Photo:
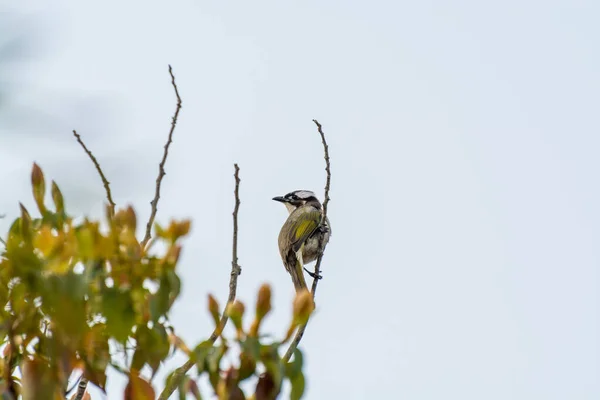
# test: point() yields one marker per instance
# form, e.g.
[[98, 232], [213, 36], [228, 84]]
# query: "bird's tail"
[[294, 267]]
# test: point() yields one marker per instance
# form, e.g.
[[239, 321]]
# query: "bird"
[[304, 234]]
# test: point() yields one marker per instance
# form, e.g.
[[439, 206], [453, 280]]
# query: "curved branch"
[[236, 270], [161, 173], [161, 166], [302, 328], [97, 165], [81, 388]]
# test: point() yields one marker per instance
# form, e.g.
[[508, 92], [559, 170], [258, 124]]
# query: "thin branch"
[[97, 165], [317, 273], [161, 166], [236, 270], [82, 386], [325, 202]]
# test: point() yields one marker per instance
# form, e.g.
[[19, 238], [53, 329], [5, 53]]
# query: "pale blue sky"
[[470, 128]]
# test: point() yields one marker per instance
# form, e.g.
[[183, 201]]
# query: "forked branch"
[[317, 272], [161, 173]]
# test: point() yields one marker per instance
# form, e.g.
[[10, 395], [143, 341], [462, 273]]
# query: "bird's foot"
[[313, 274]]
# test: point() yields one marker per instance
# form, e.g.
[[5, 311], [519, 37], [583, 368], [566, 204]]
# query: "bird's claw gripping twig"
[[313, 274]]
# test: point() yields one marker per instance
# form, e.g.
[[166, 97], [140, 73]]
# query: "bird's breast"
[[312, 246]]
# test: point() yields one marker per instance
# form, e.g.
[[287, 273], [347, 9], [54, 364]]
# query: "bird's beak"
[[280, 199]]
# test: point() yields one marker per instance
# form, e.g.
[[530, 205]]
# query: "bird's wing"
[[302, 227]]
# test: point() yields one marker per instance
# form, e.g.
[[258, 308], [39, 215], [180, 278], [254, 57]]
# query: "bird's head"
[[298, 198]]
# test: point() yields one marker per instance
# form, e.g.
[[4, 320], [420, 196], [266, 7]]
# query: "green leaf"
[[86, 241], [247, 366], [181, 389], [139, 358], [159, 303], [118, 310], [57, 197], [97, 353], [297, 386], [152, 347], [64, 300], [159, 231], [174, 285], [25, 225], [38, 382], [23, 262], [18, 295], [201, 352], [251, 345], [21, 304], [213, 362], [213, 308], [3, 294], [38, 185], [294, 367], [214, 358], [168, 291], [273, 363]]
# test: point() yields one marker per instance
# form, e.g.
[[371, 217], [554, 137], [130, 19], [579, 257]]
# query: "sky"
[[464, 260]]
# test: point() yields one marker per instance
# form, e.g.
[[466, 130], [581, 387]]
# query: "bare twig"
[[302, 328], [97, 165], [161, 166], [82, 386], [325, 202], [236, 270]]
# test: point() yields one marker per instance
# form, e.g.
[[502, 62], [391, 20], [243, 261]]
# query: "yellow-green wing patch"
[[303, 227]]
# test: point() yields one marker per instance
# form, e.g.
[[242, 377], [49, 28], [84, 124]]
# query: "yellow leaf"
[[138, 389], [178, 343], [45, 240]]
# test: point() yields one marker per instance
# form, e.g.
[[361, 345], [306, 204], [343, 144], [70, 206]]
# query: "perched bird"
[[304, 234]]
